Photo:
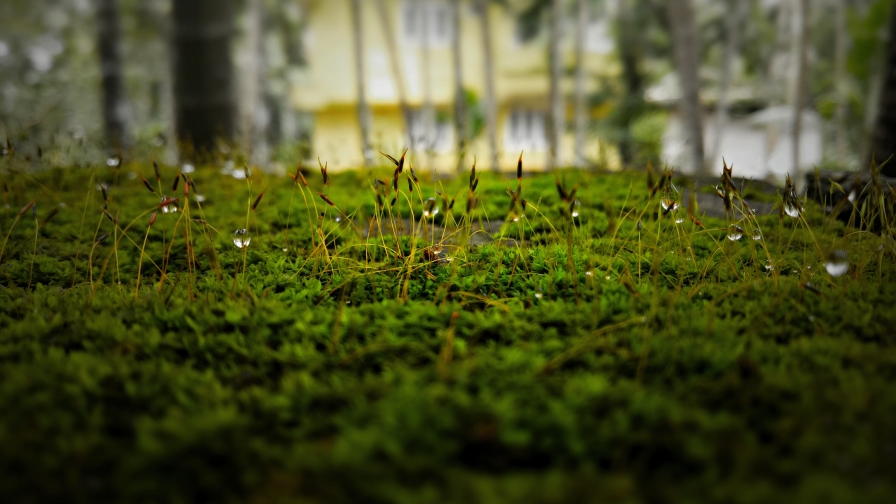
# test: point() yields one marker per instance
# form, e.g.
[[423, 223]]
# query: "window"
[[525, 130], [427, 22], [432, 133]]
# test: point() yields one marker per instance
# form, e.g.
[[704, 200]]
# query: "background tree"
[[883, 144], [489, 100], [687, 66], [360, 77], [460, 96], [557, 115], [116, 111], [581, 100], [203, 71]]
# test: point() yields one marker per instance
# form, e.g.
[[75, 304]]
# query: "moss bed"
[[611, 357]]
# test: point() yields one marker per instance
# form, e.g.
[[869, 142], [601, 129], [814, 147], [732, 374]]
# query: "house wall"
[[327, 88]]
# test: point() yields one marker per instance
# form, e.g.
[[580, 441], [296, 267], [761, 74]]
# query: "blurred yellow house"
[[327, 87]]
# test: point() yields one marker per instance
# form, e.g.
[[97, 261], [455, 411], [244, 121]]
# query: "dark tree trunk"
[[203, 72], [116, 111], [630, 56], [883, 143], [460, 98], [687, 65]]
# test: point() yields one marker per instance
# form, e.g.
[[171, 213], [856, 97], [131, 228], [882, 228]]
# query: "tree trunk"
[[580, 99], [460, 98], [557, 114], [428, 116], [360, 76], [253, 96], [732, 51], [489, 100], [883, 142], [687, 65], [395, 64], [116, 111], [840, 79], [629, 52], [801, 11], [203, 72]]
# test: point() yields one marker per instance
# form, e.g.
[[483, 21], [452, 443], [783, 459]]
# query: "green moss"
[[591, 362]]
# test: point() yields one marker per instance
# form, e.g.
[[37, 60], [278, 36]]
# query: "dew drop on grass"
[[112, 161], [430, 209], [792, 211], [768, 265], [241, 238], [757, 235], [188, 168], [588, 273], [679, 220], [575, 208], [836, 264], [170, 208], [735, 233], [537, 295]]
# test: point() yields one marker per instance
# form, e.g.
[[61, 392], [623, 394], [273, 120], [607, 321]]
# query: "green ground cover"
[[510, 353]]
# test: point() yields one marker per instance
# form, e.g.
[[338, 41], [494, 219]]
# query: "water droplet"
[[241, 238], [575, 208], [679, 220], [669, 205], [735, 232], [112, 161], [285, 249], [768, 265], [238, 174], [199, 198], [836, 264], [188, 168], [537, 295], [132, 175], [515, 219], [589, 273], [757, 235], [430, 209], [169, 208], [792, 210]]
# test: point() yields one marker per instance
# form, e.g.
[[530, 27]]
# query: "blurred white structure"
[[759, 146]]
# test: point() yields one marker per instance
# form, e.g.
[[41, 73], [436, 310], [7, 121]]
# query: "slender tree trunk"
[[687, 63], [253, 96], [629, 52], [883, 142], [203, 71], [116, 111], [581, 103], [557, 113], [428, 115], [395, 64], [802, 78], [364, 117], [460, 99], [489, 100], [732, 51], [840, 79]]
